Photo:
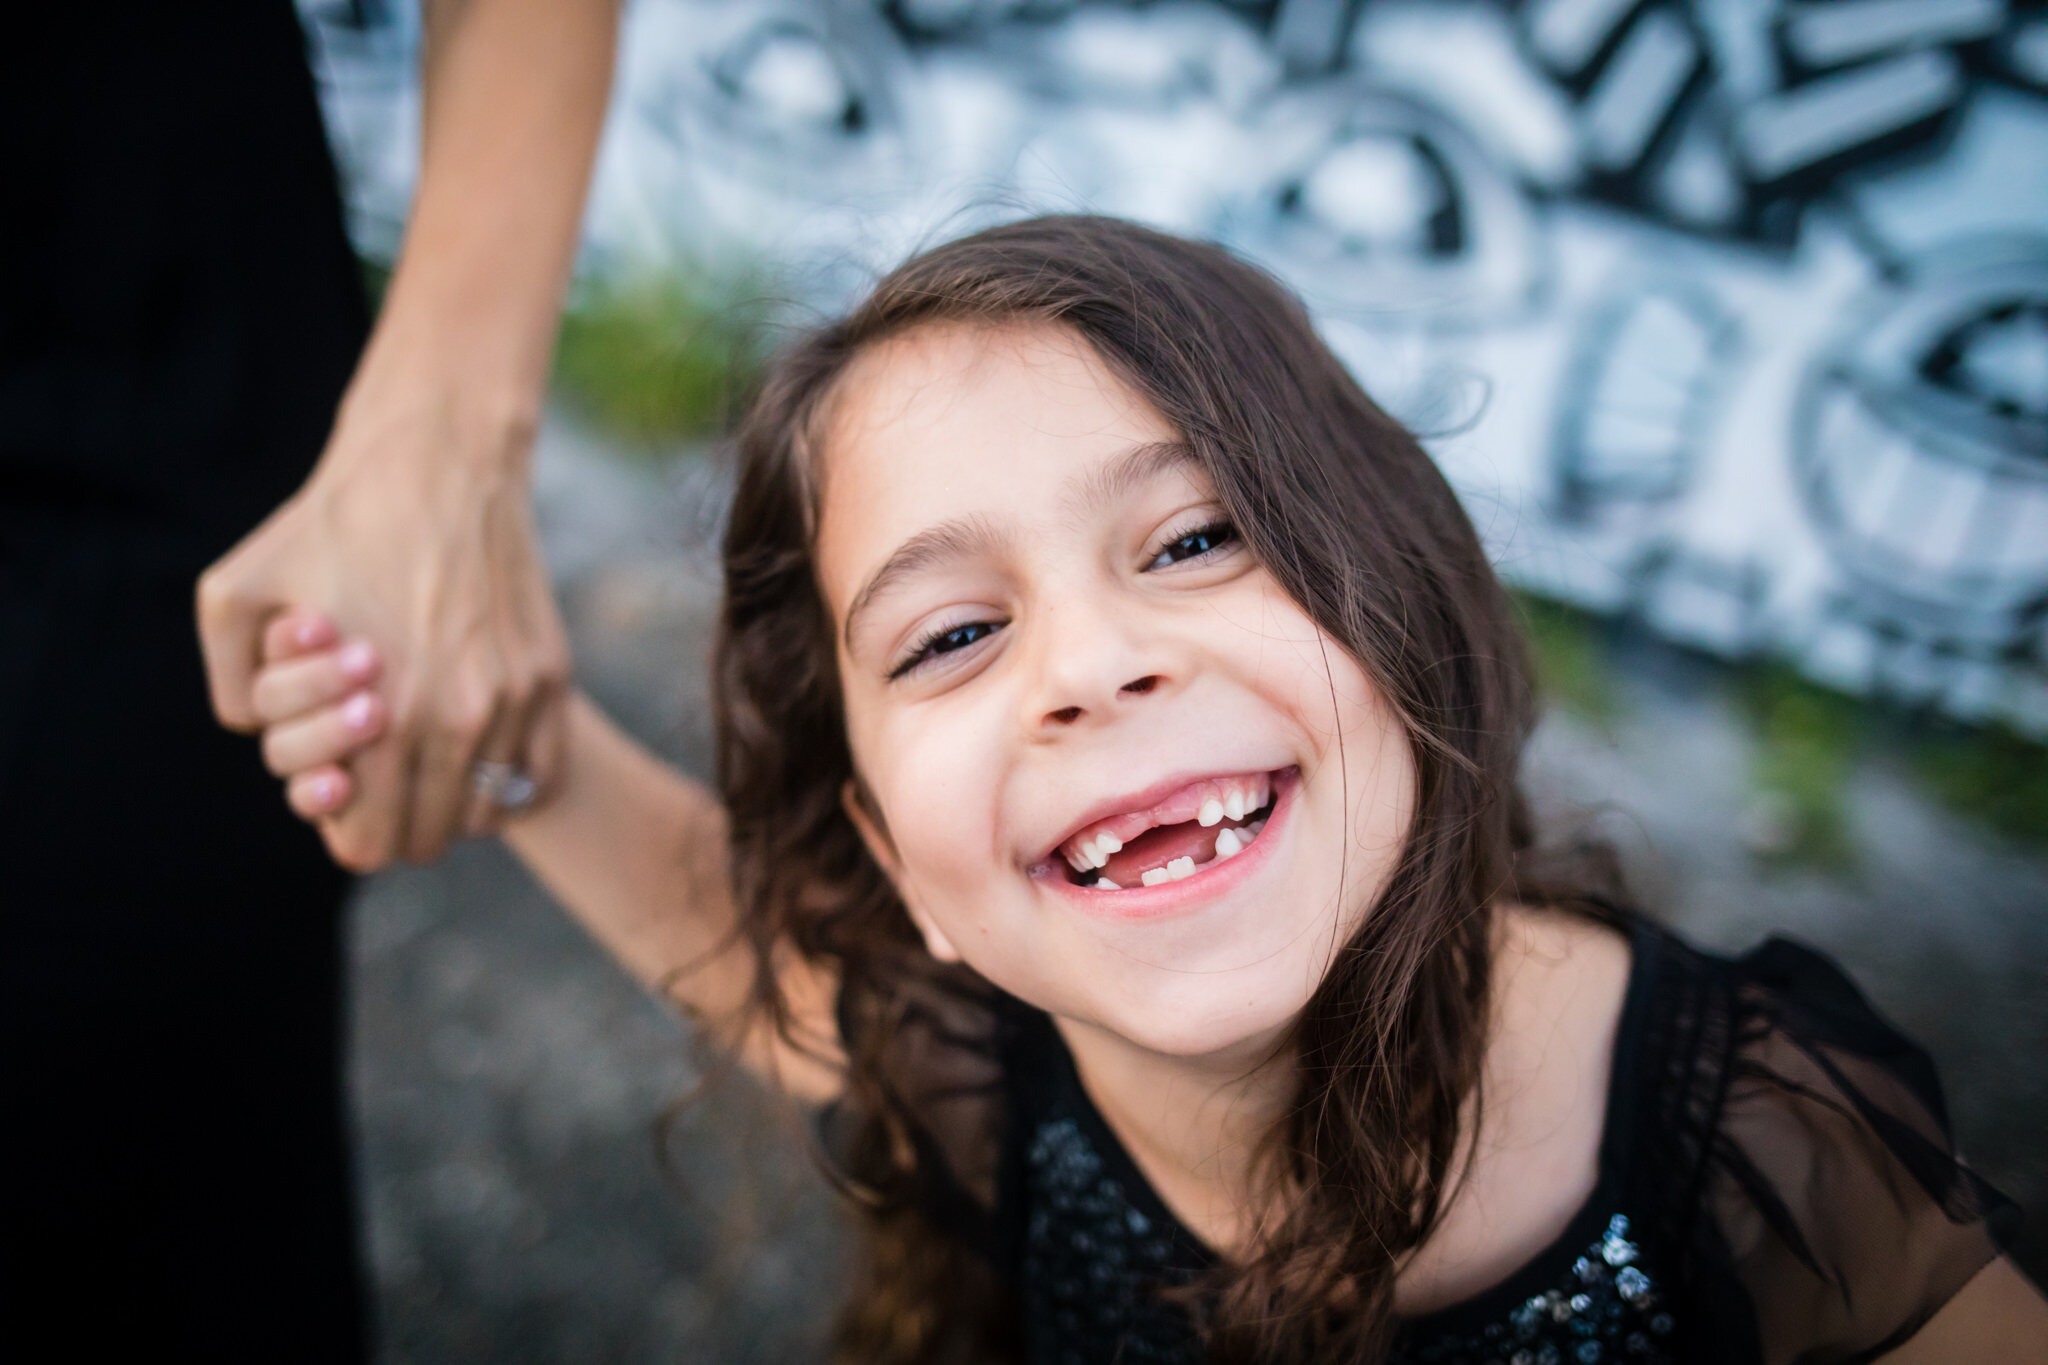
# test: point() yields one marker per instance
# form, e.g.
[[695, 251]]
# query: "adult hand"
[[415, 529], [416, 532]]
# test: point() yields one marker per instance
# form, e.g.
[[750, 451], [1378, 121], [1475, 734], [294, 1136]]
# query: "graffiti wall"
[[1729, 315]]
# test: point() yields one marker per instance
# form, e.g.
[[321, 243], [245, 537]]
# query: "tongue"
[[1160, 846]]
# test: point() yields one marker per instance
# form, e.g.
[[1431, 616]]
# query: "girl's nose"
[[1068, 715], [1091, 666]]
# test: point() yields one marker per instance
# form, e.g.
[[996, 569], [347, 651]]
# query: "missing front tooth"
[[1171, 852]]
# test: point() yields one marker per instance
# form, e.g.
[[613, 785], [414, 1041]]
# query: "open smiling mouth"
[[1207, 821]]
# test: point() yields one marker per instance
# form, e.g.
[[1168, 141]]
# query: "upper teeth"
[[1229, 798], [1093, 853]]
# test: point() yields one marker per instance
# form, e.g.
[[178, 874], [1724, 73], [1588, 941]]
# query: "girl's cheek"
[[938, 855], [945, 763]]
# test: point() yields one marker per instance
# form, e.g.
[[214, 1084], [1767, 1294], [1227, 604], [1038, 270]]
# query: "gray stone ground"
[[538, 1187]]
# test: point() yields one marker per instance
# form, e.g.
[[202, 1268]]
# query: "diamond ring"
[[504, 785]]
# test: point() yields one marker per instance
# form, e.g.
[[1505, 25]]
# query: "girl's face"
[[1110, 764]]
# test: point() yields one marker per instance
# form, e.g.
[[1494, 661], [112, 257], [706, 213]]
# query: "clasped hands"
[[390, 628]]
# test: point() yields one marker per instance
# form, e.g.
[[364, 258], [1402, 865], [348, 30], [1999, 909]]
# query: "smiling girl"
[[1118, 836]]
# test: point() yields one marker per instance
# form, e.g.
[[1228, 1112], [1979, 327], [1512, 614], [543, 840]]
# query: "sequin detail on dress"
[[1093, 1262], [1609, 1309]]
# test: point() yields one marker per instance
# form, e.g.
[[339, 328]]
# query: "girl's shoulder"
[[1788, 1148], [1680, 1145]]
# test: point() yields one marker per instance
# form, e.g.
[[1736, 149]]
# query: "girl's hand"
[[313, 697]]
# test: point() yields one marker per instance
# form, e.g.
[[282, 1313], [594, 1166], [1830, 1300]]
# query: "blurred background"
[[1728, 319]]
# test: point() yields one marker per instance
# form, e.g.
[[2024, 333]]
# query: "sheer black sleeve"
[[1830, 1189]]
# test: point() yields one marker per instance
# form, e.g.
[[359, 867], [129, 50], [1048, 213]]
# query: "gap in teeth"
[[1232, 842], [1232, 800], [1229, 843]]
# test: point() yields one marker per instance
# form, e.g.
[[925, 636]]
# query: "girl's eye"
[[1203, 540], [946, 640]]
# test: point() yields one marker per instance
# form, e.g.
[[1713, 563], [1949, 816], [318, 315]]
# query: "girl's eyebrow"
[[1118, 476], [961, 538], [967, 537]]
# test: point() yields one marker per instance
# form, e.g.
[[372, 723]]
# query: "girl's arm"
[[635, 850], [637, 854], [1999, 1315]]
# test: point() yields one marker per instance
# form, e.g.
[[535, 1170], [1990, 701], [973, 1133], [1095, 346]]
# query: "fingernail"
[[358, 660], [326, 790], [356, 711], [311, 632]]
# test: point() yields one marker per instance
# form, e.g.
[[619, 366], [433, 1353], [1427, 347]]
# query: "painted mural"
[[1731, 316]]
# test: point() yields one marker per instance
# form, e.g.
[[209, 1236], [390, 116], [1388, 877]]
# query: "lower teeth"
[[1229, 843]]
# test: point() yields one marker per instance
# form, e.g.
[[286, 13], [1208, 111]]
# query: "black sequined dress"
[[1776, 1183]]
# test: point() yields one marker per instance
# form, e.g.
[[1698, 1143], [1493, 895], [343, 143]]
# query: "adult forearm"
[[514, 100], [416, 527]]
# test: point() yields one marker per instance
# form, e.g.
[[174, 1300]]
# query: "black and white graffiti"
[[1731, 315]]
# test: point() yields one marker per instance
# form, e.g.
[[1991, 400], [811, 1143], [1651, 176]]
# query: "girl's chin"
[[1241, 1043]]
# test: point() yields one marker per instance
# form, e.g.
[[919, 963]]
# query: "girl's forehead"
[[952, 421], [997, 380]]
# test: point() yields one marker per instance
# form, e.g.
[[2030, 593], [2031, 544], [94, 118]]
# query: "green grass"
[[654, 360], [1993, 775], [1572, 669], [1808, 743], [660, 360]]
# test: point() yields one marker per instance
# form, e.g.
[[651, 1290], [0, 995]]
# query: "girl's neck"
[[1195, 1124], [1192, 1124]]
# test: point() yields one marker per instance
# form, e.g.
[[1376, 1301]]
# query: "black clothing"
[[179, 312], [1776, 1182]]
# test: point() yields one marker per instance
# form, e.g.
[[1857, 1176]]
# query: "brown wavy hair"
[[1341, 504]]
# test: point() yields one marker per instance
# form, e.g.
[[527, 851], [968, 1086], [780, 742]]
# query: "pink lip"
[[1212, 879]]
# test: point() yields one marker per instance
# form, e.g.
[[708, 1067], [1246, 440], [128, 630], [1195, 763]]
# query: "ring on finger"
[[505, 785]]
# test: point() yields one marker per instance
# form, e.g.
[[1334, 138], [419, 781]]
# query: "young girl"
[[1117, 834]]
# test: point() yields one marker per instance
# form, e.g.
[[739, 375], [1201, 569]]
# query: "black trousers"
[[179, 312], [176, 1176]]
